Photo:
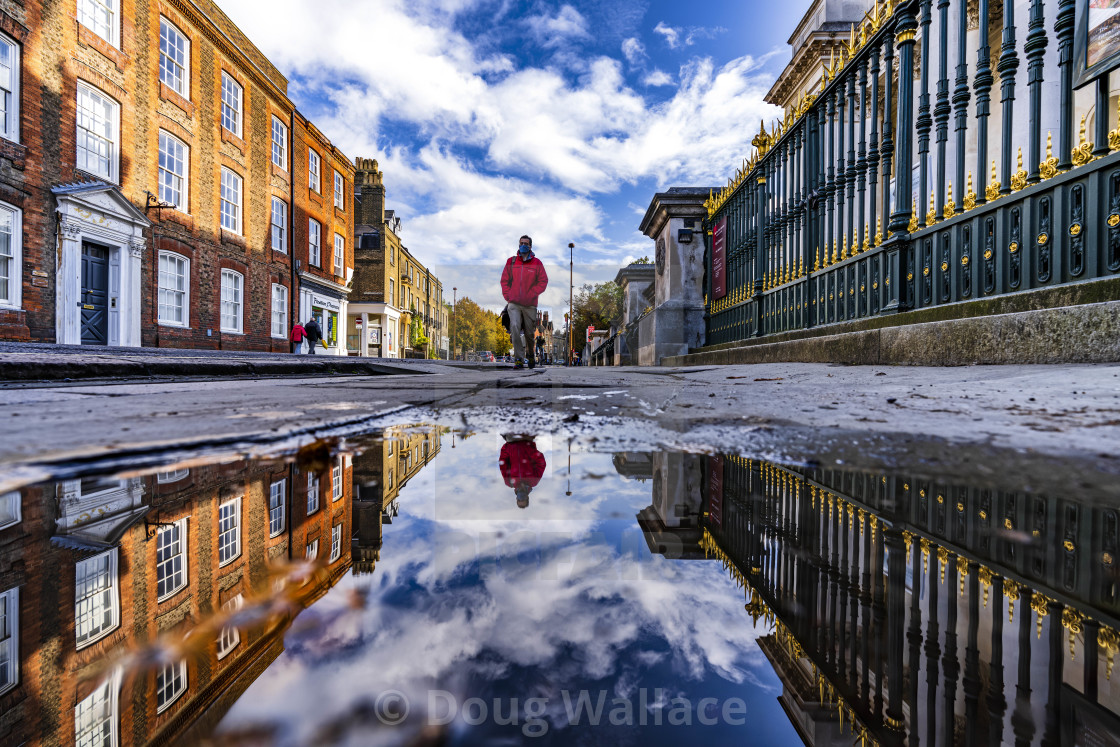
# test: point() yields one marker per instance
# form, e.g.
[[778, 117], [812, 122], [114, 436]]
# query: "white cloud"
[[478, 148], [658, 78], [552, 31], [672, 35], [633, 50]]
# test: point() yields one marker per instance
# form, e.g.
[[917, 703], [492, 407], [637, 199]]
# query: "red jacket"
[[523, 281], [520, 460], [298, 332]]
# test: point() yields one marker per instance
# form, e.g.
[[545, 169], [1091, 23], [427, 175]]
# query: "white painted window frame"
[[114, 596], [232, 97], [186, 297], [183, 203], [178, 72], [14, 296], [114, 120], [229, 536], [238, 303], [181, 525], [279, 298], [276, 508]]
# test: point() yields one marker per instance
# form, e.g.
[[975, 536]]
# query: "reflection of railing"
[[818, 231], [879, 583]]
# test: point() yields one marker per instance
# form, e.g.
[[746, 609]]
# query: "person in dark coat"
[[522, 466], [314, 334]]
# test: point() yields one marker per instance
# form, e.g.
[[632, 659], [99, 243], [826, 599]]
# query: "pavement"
[[1049, 428]]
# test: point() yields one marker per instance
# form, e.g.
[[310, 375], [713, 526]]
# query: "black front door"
[[95, 295]]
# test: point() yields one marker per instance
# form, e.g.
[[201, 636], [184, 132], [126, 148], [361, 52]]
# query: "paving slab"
[[1038, 425]]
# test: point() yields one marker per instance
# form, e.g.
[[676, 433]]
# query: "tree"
[[475, 328], [641, 261], [595, 306], [416, 333]]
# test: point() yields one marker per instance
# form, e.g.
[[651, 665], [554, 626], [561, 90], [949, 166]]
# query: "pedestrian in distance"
[[314, 334], [298, 333], [523, 281]]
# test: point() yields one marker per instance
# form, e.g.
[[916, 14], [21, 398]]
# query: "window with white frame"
[[312, 493], [231, 201], [229, 636], [339, 191], [279, 143], [174, 289], [392, 295], [174, 58], [96, 598], [9, 88], [102, 17], [171, 682], [173, 164], [336, 542], [95, 718], [9, 639], [11, 512], [229, 531], [233, 301], [98, 132], [314, 171], [313, 549], [279, 224], [171, 559], [279, 311], [314, 243], [174, 475], [339, 253], [11, 256], [276, 508], [232, 96], [336, 481]]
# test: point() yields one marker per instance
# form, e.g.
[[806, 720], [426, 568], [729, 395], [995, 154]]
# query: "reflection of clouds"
[[565, 602]]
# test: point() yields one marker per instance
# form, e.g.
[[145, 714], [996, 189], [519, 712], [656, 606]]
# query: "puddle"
[[424, 586]]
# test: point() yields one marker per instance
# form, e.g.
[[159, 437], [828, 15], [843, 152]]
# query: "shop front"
[[326, 304], [371, 330]]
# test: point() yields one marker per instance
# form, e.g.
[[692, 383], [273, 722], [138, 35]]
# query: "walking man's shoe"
[[532, 362], [519, 363]]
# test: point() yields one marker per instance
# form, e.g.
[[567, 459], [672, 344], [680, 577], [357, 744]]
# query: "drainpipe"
[[293, 300]]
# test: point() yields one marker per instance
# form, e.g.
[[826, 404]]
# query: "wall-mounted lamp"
[[684, 236]]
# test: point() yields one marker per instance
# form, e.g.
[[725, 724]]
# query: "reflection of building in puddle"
[[671, 525], [905, 609], [380, 472], [92, 571]]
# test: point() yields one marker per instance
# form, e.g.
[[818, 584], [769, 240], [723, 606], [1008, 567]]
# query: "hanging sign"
[[719, 259], [1097, 44]]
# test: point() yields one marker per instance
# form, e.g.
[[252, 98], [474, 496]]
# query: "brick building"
[[391, 287], [148, 172], [323, 232], [161, 556]]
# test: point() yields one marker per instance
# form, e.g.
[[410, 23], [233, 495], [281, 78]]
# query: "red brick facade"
[[57, 54]]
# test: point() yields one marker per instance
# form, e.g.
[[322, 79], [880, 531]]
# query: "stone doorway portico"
[[96, 216]]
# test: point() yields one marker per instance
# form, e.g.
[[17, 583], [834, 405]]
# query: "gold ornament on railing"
[[835, 254], [1083, 151], [985, 575], [1072, 621], [844, 248], [969, 196], [1011, 591], [878, 232], [913, 225], [992, 191], [817, 260], [1041, 606], [866, 237], [962, 570], [1019, 178], [925, 545], [1110, 642], [950, 206], [1049, 168], [931, 216], [942, 561]]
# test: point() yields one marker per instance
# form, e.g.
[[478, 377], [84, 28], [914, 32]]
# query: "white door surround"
[[97, 212]]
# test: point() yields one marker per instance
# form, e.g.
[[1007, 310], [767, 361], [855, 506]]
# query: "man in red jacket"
[[523, 281]]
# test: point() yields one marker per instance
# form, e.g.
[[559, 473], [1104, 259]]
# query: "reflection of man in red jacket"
[[523, 281], [522, 466]]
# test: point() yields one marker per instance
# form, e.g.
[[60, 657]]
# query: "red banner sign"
[[719, 260], [715, 491]]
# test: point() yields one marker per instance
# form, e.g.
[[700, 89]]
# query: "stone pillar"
[[674, 221], [68, 285], [363, 337], [131, 292]]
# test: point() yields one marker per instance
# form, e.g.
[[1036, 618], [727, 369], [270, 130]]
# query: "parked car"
[[486, 356]]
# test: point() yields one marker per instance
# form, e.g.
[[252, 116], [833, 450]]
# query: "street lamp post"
[[571, 287], [454, 305]]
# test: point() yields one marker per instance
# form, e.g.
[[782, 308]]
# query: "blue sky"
[[493, 118]]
